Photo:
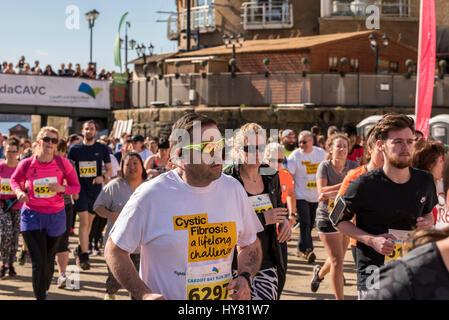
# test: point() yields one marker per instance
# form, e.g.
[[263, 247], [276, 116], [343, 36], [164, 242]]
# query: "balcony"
[[357, 8], [201, 18], [172, 28], [272, 15]]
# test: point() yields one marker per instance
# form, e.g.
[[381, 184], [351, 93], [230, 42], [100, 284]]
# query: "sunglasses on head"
[[207, 147], [254, 148], [48, 139]]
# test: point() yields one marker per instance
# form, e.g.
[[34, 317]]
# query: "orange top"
[[351, 176], [286, 183]]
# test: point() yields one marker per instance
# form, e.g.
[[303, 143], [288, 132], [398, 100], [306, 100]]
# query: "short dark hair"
[[350, 129], [62, 146], [91, 121], [393, 122], [133, 154], [187, 120], [73, 137]]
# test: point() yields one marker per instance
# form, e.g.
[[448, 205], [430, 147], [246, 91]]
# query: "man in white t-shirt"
[[188, 222], [303, 164], [138, 143]]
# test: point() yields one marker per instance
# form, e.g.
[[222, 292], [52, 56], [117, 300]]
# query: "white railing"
[[172, 27], [399, 9], [202, 18], [275, 15]]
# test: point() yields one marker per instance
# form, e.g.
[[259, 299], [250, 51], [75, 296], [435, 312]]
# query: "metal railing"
[[172, 28], [400, 9], [202, 18], [273, 15]]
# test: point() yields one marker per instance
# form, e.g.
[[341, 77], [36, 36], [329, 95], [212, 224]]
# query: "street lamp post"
[[233, 40], [91, 16], [127, 44], [141, 52], [375, 46]]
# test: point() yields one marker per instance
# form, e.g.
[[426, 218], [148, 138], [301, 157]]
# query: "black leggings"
[[96, 232], [42, 250]]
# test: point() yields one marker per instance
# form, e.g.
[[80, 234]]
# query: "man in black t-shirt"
[[388, 201], [88, 156]]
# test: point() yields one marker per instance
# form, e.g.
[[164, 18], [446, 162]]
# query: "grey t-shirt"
[[113, 197], [325, 171]]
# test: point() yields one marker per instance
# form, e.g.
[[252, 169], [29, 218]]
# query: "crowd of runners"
[[198, 215]]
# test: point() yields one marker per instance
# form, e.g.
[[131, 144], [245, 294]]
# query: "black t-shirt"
[[265, 236], [88, 161], [420, 275], [380, 205]]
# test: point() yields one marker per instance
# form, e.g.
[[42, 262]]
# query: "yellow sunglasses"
[[207, 147]]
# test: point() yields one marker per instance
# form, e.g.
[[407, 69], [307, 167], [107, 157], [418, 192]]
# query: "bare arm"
[[381, 243], [249, 260], [105, 213], [122, 267]]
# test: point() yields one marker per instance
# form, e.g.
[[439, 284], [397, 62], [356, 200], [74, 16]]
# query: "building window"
[[357, 8], [267, 14]]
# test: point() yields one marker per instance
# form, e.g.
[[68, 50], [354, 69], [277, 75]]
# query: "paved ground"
[[92, 286]]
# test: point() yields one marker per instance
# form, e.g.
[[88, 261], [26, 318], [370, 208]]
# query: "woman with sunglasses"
[[264, 193], [9, 213], [43, 217]]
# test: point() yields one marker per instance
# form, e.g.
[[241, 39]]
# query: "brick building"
[[323, 53]]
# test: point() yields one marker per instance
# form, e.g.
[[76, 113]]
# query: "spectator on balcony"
[[102, 75], [9, 69], [36, 69], [21, 64], [91, 71], [78, 72], [69, 72], [61, 72], [26, 69], [49, 71]]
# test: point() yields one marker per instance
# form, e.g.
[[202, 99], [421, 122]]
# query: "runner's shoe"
[[309, 256], [96, 251], [23, 257], [3, 271], [83, 261], [108, 296], [62, 281], [315, 283], [12, 272]]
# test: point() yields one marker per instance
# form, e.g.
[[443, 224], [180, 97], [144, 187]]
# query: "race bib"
[[41, 187], [401, 236], [88, 169], [6, 187], [261, 203], [208, 282], [311, 185]]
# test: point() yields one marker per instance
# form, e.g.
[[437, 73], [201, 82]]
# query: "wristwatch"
[[247, 276]]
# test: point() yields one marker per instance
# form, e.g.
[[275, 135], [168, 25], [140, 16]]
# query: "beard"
[[399, 164], [290, 146]]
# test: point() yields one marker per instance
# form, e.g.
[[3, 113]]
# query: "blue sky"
[[37, 29]]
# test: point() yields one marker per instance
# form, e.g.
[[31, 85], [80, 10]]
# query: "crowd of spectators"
[[23, 67]]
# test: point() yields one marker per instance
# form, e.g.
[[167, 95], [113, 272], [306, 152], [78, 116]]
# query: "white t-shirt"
[[442, 219], [187, 234], [303, 167], [145, 154]]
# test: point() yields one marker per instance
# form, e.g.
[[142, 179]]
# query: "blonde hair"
[[239, 139], [41, 133]]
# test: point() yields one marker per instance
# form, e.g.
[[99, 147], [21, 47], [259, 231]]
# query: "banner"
[[117, 54], [426, 66], [54, 91]]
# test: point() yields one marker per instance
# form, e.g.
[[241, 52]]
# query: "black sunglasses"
[[48, 139], [254, 148]]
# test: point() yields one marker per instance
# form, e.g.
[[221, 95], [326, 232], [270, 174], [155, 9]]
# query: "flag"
[[117, 55], [426, 66]]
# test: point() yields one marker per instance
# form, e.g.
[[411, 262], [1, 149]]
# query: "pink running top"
[[38, 176]]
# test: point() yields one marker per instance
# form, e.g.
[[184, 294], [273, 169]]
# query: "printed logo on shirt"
[[261, 203], [423, 199], [207, 241], [311, 168]]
